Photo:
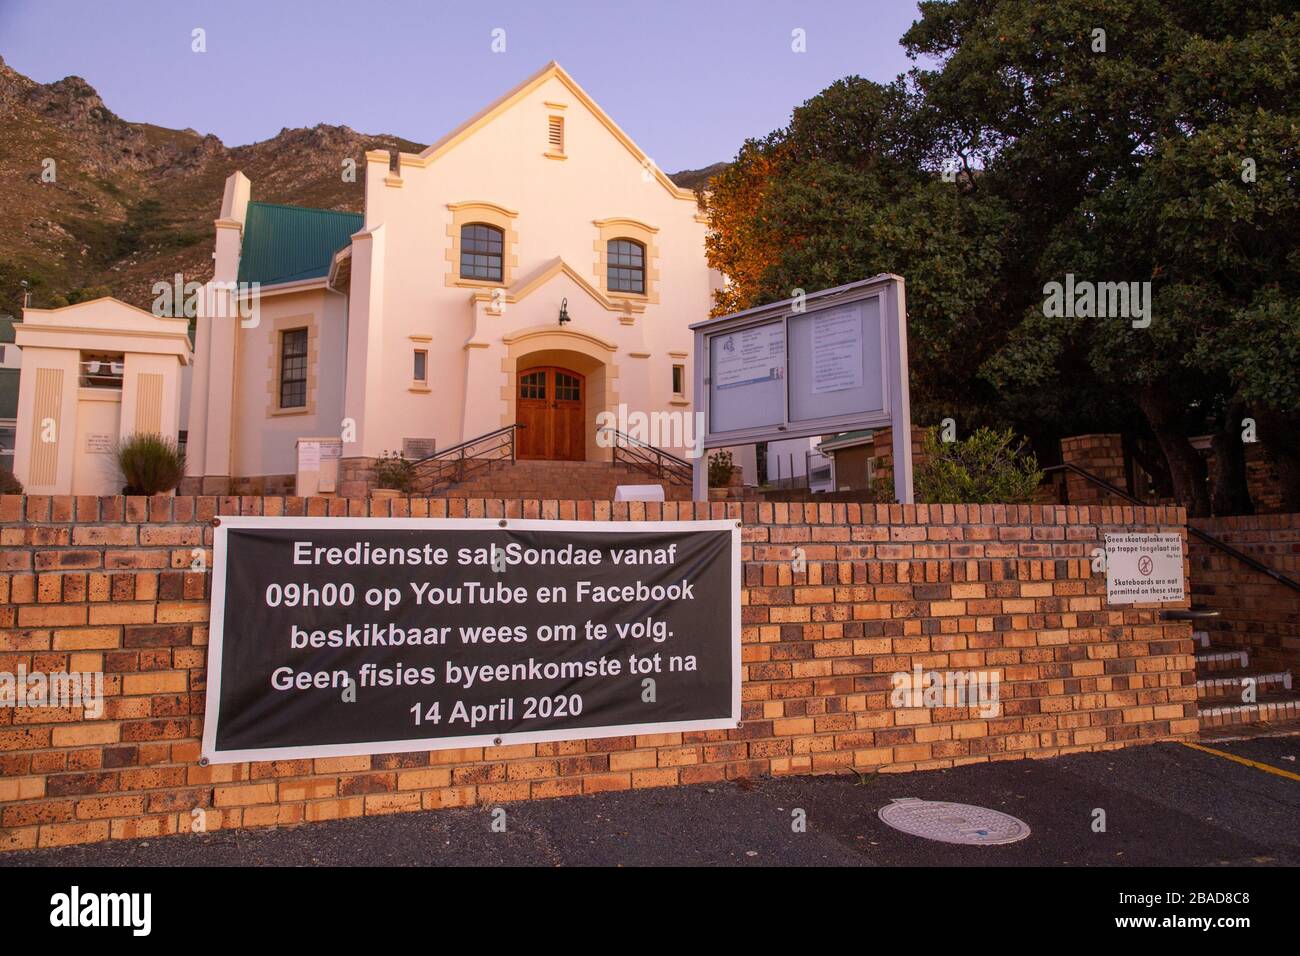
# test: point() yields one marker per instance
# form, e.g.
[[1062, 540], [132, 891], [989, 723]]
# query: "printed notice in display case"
[[836, 350], [748, 376], [750, 356]]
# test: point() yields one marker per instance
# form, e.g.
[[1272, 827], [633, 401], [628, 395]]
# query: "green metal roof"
[[6, 329], [8, 393], [846, 438], [292, 243]]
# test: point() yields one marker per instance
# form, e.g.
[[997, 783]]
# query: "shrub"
[[393, 471], [720, 467], [150, 464], [9, 485], [989, 467], [880, 490]]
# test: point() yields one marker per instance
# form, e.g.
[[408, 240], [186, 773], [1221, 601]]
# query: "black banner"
[[354, 635]]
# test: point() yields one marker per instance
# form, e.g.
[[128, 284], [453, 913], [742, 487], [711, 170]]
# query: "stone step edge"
[[1210, 657], [1269, 677], [1248, 713]]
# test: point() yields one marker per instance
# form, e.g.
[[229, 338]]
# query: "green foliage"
[[12, 276], [393, 472], [1261, 343], [144, 225], [880, 489], [149, 463], [720, 468], [57, 300], [1169, 156], [989, 467], [844, 193]]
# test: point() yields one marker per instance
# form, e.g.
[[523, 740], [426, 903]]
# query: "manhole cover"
[[953, 822]]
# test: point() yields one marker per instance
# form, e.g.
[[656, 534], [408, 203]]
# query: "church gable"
[[551, 114]]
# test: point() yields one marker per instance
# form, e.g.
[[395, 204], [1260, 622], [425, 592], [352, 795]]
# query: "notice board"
[[1144, 568], [813, 365], [343, 636]]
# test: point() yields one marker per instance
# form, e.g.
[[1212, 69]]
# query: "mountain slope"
[[132, 204]]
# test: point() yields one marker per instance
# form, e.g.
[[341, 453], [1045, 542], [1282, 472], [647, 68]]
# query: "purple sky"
[[689, 81]]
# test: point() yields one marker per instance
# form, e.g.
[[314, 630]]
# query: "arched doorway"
[[550, 403]]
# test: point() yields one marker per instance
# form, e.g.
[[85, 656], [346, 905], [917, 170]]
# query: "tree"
[[1125, 161], [841, 194], [733, 245], [1113, 141]]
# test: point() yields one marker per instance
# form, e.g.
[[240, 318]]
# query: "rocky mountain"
[[694, 178], [92, 204]]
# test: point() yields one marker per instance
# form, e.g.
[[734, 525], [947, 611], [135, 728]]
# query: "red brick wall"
[[1103, 456], [103, 583], [1255, 611]]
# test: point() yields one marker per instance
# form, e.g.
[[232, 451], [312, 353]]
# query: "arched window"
[[481, 247], [626, 266]]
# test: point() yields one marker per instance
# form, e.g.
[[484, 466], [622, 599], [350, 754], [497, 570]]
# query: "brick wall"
[[103, 584], [1103, 456], [1255, 611]]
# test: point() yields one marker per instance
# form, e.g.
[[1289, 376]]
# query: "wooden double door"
[[550, 403]]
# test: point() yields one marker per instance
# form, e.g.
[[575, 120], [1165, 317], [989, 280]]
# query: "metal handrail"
[[1209, 539], [455, 464], [649, 458]]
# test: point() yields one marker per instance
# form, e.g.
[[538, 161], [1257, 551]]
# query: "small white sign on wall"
[[308, 456], [1144, 568], [99, 443]]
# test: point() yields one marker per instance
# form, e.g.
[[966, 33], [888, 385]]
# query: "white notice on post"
[[308, 456], [1144, 568], [837, 350], [749, 356]]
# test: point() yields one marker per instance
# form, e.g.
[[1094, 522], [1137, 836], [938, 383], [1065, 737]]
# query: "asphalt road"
[[1165, 805]]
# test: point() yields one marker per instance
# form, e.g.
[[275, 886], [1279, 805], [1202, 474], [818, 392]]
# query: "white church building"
[[527, 271]]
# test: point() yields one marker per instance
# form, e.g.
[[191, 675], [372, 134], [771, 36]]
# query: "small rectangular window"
[[102, 369], [293, 368], [555, 135], [421, 371], [679, 379]]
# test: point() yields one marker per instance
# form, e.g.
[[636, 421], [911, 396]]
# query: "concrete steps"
[[555, 479], [1235, 684], [1231, 693]]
